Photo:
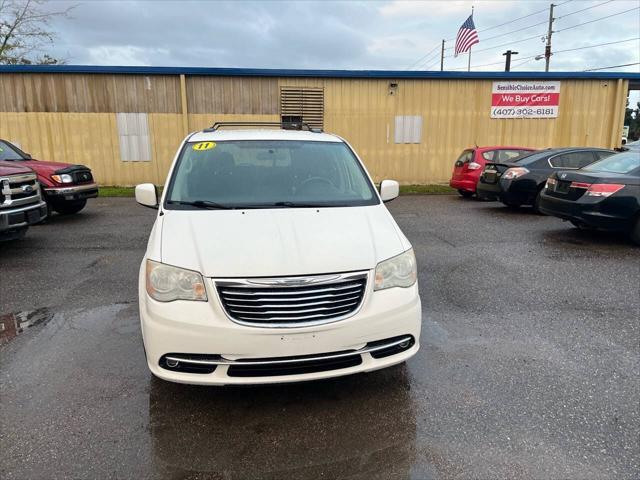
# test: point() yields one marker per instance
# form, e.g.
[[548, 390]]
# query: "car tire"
[[465, 193], [635, 232], [69, 208], [512, 205]]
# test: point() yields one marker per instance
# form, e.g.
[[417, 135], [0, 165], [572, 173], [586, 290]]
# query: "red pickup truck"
[[65, 187], [20, 202]]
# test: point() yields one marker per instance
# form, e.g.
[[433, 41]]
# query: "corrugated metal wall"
[[72, 118]]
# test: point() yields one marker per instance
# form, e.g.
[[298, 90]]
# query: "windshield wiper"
[[299, 205], [205, 204]]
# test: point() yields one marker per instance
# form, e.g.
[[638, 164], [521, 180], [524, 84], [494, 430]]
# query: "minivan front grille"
[[292, 301]]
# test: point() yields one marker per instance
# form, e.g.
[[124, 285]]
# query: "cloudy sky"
[[342, 35]]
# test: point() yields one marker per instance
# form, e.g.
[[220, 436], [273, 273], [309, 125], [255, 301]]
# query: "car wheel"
[[635, 232], [465, 193], [68, 208]]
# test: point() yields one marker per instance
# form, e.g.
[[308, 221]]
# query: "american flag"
[[467, 36]]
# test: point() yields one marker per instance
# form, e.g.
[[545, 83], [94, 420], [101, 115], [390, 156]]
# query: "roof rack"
[[283, 125]]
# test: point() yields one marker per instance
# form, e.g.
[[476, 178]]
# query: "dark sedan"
[[603, 195], [520, 182]]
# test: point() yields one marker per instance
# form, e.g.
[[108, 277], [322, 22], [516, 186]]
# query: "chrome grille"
[[19, 190], [292, 301]]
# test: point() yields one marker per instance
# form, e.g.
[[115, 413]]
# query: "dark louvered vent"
[[304, 104]]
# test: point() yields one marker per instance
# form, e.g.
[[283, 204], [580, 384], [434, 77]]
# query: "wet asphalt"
[[529, 366]]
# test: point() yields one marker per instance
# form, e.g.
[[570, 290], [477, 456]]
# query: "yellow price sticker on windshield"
[[200, 146]]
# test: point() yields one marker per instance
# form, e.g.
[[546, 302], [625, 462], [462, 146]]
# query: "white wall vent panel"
[[408, 129], [133, 132]]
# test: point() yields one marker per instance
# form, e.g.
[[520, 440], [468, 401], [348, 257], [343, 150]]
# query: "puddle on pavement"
[[13, 324]]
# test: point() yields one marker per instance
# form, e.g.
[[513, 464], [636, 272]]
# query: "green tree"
[[25, 31], [632, 119]]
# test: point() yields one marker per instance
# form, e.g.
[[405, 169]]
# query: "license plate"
[[562, 187]]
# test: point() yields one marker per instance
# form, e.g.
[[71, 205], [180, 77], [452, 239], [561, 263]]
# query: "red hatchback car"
[[469, 166]]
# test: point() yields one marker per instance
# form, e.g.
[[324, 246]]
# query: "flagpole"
[[469, 63]]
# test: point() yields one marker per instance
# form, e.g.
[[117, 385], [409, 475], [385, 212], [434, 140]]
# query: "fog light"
[[172, 363]]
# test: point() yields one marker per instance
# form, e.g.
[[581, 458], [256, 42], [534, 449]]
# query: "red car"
[[469, 166], [65, 187]]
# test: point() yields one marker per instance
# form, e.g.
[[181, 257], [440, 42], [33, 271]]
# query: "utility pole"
[[507, 63], [442, 56], [547, 48]]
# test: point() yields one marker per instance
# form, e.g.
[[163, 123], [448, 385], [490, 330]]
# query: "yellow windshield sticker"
[[200, 146]]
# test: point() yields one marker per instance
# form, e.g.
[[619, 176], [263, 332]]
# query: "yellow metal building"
[[126, 122]]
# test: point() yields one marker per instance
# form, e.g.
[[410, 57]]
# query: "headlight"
[[65, 178], [166, 283], [398, 271]]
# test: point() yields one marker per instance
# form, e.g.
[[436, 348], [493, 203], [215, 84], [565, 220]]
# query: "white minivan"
[[274, 259]]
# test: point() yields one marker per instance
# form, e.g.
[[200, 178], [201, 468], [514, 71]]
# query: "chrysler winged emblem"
[[294, 281]]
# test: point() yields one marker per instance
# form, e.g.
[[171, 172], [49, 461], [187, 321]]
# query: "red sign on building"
[[525, 99]]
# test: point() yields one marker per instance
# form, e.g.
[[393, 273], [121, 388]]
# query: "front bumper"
[[77, 192], [594, 212], [201, 330], [20, 217]]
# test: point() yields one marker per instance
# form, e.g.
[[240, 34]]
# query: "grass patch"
[[111, 191], [116, 191], [426, 190]]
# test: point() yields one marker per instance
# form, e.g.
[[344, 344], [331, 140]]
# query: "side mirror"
[[389, 189], [28, 156], [147, 195]]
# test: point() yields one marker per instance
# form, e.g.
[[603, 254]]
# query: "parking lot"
[[529, 363]]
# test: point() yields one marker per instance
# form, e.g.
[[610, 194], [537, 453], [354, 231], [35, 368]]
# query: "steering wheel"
[[315, 180]]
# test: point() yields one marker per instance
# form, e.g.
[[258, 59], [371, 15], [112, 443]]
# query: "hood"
[[278, 242], [13, 168], [45, 167]]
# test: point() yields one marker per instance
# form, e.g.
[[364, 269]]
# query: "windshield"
[[620, 163], [8, 153], [267, 173]]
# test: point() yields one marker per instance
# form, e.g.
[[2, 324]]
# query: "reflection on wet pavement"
[[13, 324], [356, 427]]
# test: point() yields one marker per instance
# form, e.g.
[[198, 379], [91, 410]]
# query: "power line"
[[595, 20], [583, 9], [490, 64], [423, 57], [503, 44], [428, 60], [515, 31], [612, 66], [596, 45], [524, 60], [507, 23]]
